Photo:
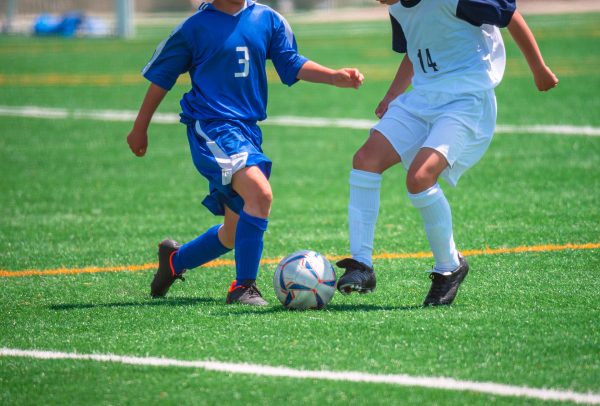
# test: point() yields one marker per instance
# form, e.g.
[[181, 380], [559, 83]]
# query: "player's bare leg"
[[227, 231], [425, 170], [369, 162], [427, 196], [376, 155]]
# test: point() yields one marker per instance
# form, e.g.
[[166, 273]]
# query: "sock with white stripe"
[[363, 210], [437, 217]]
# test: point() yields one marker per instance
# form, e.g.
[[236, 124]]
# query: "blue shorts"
[[219, 149]]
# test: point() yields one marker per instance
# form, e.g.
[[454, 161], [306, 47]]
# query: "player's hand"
[[138, 142], [545, 79], [382, 107], [348, 77]]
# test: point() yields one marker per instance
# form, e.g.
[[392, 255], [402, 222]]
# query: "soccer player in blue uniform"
[[224, 47], [454, 57]]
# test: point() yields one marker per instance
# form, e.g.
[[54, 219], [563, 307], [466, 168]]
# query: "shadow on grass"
[[231, 309], [369, 307], [155, 302], [334, 308]]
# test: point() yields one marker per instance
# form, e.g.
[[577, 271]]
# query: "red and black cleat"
[[245, 293], [165, 275]]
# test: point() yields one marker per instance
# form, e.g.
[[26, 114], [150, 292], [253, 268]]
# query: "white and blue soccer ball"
[[304, 280]]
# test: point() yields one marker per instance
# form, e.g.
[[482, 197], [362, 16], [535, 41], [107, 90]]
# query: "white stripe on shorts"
[[228, 164]]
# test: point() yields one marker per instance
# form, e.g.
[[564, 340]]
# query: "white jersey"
[[455, 46]]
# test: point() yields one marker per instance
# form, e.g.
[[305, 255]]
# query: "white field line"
[[351, 376], [291, 121]]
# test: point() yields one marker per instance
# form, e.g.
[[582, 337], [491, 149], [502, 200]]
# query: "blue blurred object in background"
[[65, 25]]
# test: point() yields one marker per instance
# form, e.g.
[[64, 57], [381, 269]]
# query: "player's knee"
[[365, 161], [418, 181], [259, 204], [266, 200]]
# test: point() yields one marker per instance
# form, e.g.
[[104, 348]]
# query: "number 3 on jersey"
[[430, 62], [244, 61]]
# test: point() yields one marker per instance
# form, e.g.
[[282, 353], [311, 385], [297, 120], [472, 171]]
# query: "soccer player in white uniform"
[[224, 47], [454, 57]]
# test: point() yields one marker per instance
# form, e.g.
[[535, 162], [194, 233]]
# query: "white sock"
[[363, 209], [437, 217]]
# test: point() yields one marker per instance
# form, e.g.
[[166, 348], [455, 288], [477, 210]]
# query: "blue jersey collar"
[[209, 6]]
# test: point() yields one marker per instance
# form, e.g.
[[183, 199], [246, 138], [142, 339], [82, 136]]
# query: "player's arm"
[[346, 77], [138, 137], [172, 57], [399, 85], [291, 66], [519, 30]]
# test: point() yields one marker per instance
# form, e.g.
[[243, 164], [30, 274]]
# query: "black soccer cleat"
[[165, 276], [247, 294], [358, 277], [444, 287]]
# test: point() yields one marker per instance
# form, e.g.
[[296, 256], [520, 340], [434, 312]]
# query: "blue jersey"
[[225, 56], [454, 45]]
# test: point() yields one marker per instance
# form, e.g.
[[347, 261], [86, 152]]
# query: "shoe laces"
[[250, 290], [438, 281], [253, 291]]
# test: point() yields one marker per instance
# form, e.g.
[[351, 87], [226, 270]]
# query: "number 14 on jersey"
[[430, 62]]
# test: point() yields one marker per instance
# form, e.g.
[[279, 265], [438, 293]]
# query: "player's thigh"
[[376, 155], [404, 129]]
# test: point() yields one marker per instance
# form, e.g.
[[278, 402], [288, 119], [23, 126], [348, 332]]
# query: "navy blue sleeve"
[[493, 12], [171, 58], [398, 38]]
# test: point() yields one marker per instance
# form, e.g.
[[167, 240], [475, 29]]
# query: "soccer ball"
[[304, 280]]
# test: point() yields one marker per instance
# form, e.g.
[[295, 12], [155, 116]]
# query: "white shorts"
[[459, 126]]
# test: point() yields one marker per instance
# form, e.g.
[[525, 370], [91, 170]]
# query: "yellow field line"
[[268, 261], [515, 68]]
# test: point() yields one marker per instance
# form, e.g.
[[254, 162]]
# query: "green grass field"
[[73, 197]]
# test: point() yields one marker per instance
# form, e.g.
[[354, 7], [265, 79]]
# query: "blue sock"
[[199, 251], [248, 246]]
